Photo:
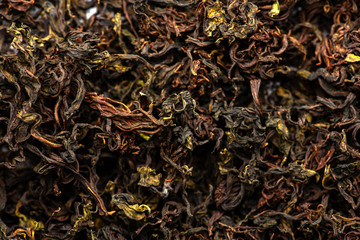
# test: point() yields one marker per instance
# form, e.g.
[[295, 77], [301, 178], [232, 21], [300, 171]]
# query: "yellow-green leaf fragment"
[[343, 142], [117, 23], [303, 73], [132, 210], [28, 117], [225, 158], [27, 222], [326, 177], [352, 58], [83, 219], [146, 137], [109, 186], [275, 10], [216, 16], [282, 129], [148, 177], [299, 171], [187, 170]]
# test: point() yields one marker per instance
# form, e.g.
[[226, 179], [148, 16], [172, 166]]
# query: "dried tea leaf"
[[225, 158], [132, 210], [22, 5], [297, 171], [300, 172], [216, 16], [280, 127], [352, 58], [110, 185], [117, 23], [80, 95], [275, 10], [177, 103], [27, 222], [212, 94], [148, 177], [343, 142], [145, 136], [187, 170], [83, 219], [3, 197]]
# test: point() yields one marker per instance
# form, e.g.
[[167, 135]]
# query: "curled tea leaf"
[[216, 16], [225, 158], [148, 177], [132, 210], [27, 222]]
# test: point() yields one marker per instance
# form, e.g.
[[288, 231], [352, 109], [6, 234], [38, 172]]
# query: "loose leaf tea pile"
[[177, 119]]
